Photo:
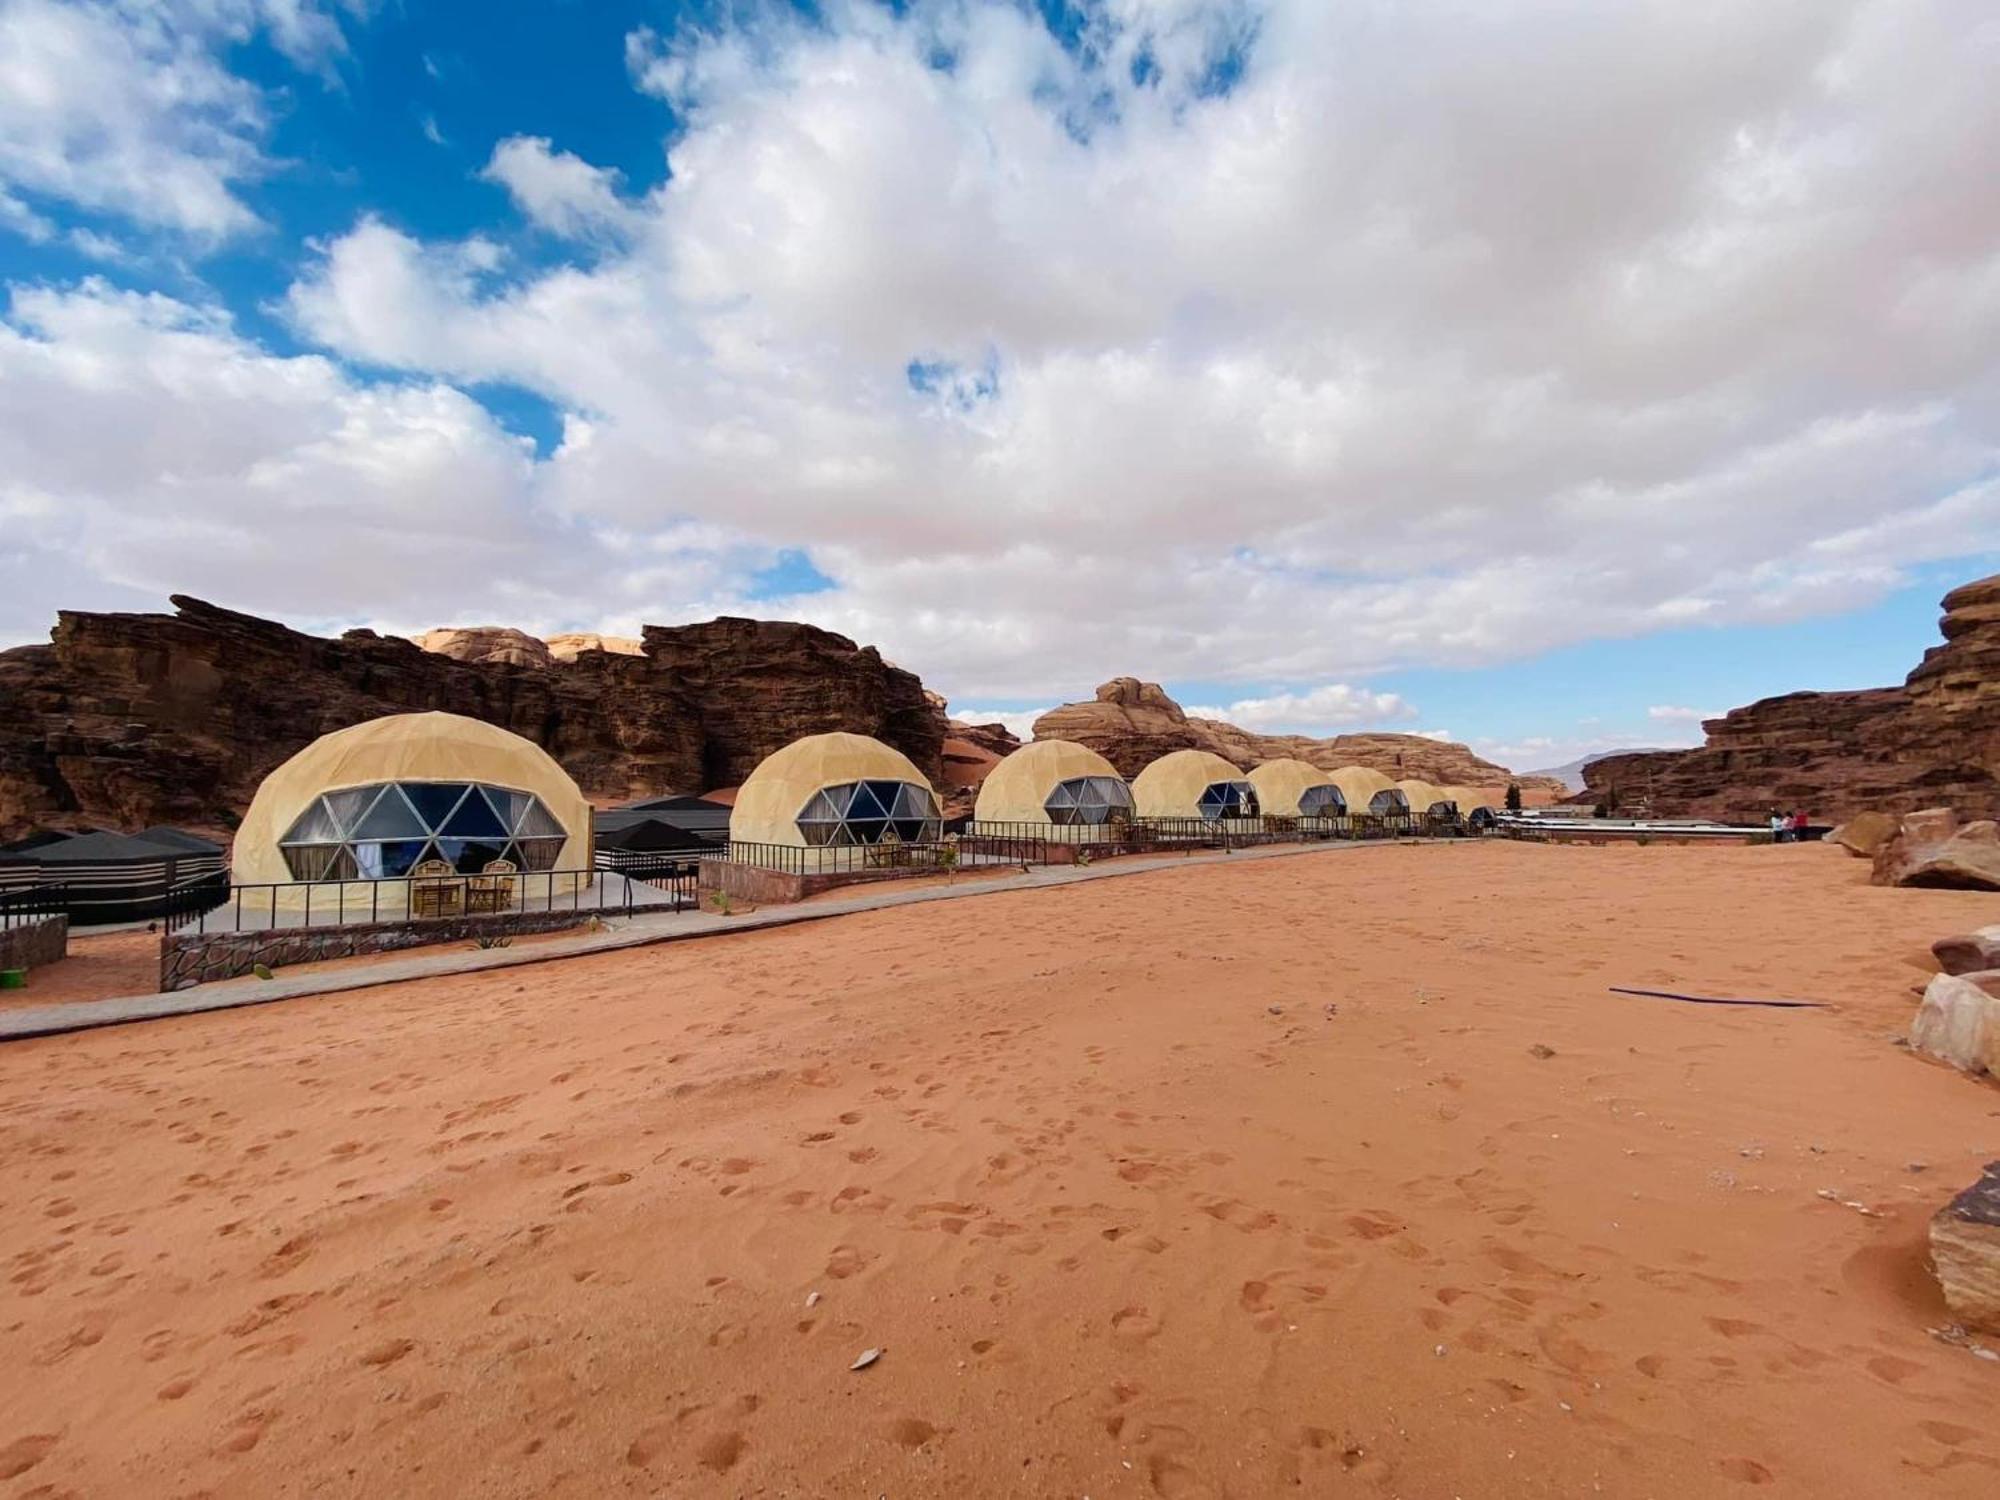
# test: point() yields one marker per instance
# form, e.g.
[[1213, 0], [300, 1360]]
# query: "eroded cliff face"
[[1131, 723], [1934, 742], [126, 720]]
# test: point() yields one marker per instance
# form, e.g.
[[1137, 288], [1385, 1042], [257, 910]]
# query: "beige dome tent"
[[1194, 784], [1369, 791], [1426, 799], [1067, 788], [381, 798], [1471, 798], [835, 789], [1296, 788]]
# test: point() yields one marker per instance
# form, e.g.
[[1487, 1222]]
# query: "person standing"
[[1777, 826]]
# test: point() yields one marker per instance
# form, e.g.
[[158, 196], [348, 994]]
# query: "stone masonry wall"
[[191, 958], [34, 944]]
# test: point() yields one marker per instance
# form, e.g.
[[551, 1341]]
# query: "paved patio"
[[638, 931]]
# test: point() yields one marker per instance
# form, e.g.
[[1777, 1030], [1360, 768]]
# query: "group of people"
[[1787, 828]]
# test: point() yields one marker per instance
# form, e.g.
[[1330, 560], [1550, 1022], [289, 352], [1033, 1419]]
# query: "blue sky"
[[1489, 373]]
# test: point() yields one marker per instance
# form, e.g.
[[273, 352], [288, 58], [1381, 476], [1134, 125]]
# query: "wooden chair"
[[492, 889], [435, 889]]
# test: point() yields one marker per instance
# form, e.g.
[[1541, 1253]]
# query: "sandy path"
[[1121, 1229]]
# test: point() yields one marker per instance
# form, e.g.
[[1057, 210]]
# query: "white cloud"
[[1444, 336], [1306, 381], [126, 107], [1321, 711], [1669, 713], [559, 191]]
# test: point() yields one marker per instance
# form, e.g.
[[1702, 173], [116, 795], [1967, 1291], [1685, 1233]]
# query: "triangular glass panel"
[[314, 826], [348, 805], [433, 800], [863, 803], [538, 854], [474, 819], [390, 818], [400, 856], [538, 822]]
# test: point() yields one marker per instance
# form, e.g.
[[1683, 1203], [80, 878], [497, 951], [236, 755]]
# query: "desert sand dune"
[[1340, 1175]]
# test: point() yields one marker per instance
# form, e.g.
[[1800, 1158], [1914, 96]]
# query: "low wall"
[[191, 958], [761, 887], [33, 944]]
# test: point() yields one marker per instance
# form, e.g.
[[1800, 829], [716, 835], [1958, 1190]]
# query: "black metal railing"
[[269, 906], [31, 903], [887, 860]]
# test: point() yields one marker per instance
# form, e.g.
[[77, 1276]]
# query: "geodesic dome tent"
[[1369, 791], [1058, 782], [836, 789], [1426, 800], [1296, 789], [378, 799], [1194, 784]]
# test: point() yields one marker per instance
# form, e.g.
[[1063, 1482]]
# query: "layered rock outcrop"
[[1131, 723], [1965, 1249], [1933, 742], [497, 643], [128, 720]]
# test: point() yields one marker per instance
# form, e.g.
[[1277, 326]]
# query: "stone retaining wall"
[[33, 944], [191, 958], [763, 887]]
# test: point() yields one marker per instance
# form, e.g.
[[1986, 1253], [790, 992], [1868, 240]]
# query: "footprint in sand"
[[24, 1453], [911, 1432], [1135, 1323], [1747, 1471]]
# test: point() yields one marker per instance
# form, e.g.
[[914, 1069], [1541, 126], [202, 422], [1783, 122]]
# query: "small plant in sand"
[[947, 858], [262, 971], [720, 901], [1643, 840], [1083, 858], [493, 940]]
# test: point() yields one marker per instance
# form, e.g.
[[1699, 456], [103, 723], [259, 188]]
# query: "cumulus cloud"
[[126, 107], [1251, 341], [1670, 713], [1222, 326], [559, 191], [1019, 722], [1321, 711]]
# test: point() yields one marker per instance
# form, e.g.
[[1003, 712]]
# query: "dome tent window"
[[1089, 801], [387, 829], [1227, 799], [871, 812], [1322, 802]]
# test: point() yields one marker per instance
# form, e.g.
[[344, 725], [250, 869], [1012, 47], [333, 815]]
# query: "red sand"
[[1119, 1228]]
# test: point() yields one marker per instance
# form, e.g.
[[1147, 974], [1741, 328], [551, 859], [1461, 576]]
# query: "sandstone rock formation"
[[486, 643], [1864, 833], [128, 720], [1933, 742], [1932, 848], [1132, 723], [1968, 952], [568, 648], [1958, 1023], [1965, 1250]]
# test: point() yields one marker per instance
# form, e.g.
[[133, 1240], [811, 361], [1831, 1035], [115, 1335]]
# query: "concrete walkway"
[[637, 932]]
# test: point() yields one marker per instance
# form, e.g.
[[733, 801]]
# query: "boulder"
[[1932, 850], [1965, 1251], [1959, 1023], [1864, 833], [1930, 742], [1966, 952], [1987, 980]]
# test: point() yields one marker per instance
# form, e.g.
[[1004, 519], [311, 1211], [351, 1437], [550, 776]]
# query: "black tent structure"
[[98, 878], [697, 815], [644, 845]]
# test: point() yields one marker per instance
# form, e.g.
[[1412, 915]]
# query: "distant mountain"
[[1571, 773]]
